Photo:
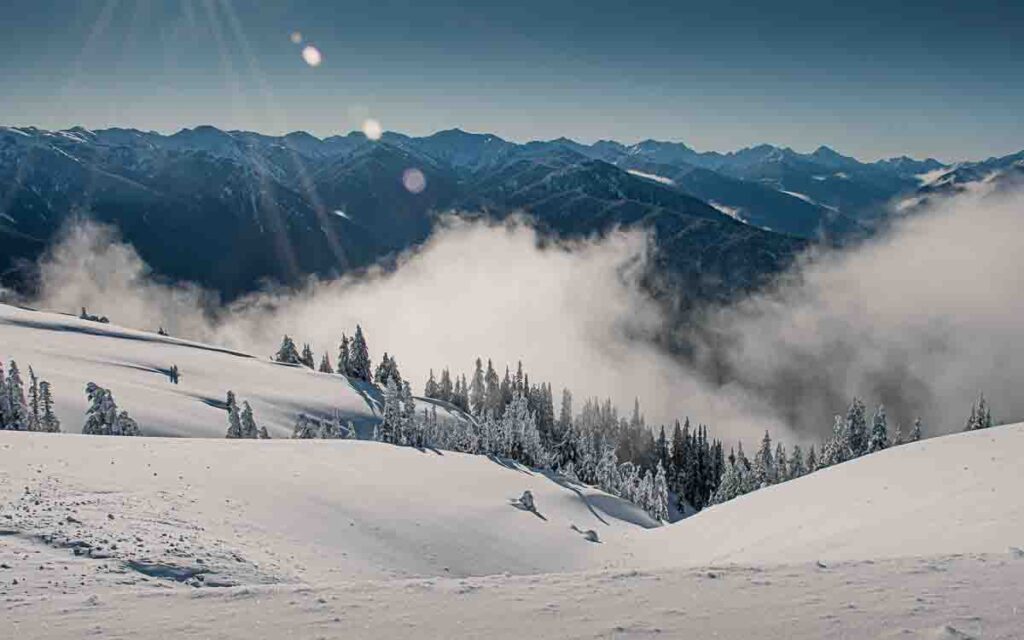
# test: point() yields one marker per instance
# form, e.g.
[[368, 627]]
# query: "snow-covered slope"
[[70, 352], [950, 495]]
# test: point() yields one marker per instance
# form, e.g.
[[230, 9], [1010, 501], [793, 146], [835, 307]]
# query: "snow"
[[806, 198], [651, 176], [733, 212], [70, 352], [201, 537]]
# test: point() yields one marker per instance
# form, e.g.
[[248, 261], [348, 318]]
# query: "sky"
[[872, 79]]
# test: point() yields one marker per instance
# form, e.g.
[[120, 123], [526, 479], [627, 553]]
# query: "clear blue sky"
[[870, 78]]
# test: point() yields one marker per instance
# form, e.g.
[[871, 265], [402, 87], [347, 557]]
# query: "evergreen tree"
[[981, 415], [387, 369], [897, 436], [478, 391], [5, 406], [796, 463], [307, 357], [659, 503], [781, 470], [249, 428], [103, 418], [812, 461], [856, 430], [47, 419], [409, 435], [33, 402], [444, 388], [17, 418], [359, 357], [764, 466], [430, 389], [915, 432], [879, 431], [344, 357], [234, 421], [287, 352], [389, 428], [837, 448], [325, 364], [492, 392]]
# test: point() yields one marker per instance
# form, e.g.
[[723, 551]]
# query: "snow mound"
[[955, 494]]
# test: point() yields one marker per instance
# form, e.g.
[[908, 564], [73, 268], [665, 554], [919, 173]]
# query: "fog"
[[920, 319]]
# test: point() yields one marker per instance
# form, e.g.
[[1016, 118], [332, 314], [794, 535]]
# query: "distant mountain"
[[234, 209]]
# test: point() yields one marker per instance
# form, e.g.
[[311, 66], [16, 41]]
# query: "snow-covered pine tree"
[[48, 421], [234, 421], [389, 428], [126, 426], [33, 402], [764, 465], [837, 447], [410, 434], [915, 432], [463, 399], [659, 495], [17, 418], [344, 358], [781, 470], [359, 356], [856, 429], [796, 463], [430, 389], [102, 412], [478, 391], [812, 461], [305, 428], [249, 428], [287, 352], [325, 364], [492, 390], [897, 435], [263, 435], [984, 417], [307, 357], [879, 431], [5, 408], [445, 391]]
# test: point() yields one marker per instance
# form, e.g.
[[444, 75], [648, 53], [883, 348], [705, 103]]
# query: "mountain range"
[[234, 210]]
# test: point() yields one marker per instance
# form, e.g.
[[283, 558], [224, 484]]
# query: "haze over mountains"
[[233, 210]]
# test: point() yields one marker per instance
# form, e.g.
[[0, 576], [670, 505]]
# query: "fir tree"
[[430, 389], [389, 428], [837, 448], [915, 432], [17, 418], [796, 463], [492, 391], [287, 352], [325, 364], [879, 431], [659, 502], [897, 436], [48, 419], [856, 429], [781, 470], [33, 402], [344, 358], [812, 461], [478, 391], [234, 421], [249, 428], [764, 466], [444, 388], [307, 357], [359, 356]]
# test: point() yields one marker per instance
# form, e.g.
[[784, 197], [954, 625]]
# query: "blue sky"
[[872, 78]]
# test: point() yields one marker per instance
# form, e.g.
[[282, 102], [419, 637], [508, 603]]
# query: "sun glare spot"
[[312, 55], [372, 129], [414, 181], [296, 37]]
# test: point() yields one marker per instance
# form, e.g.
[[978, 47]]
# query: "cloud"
[[921, 319], [572, 312]]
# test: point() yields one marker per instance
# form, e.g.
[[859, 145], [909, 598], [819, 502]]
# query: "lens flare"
[[414, 181], [372, 129], [296, 37], [312, 56]]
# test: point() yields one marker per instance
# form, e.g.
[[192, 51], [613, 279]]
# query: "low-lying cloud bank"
[[921, 319]]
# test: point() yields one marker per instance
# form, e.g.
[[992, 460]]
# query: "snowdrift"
[[954, 494], [134, 365], [301, 510]]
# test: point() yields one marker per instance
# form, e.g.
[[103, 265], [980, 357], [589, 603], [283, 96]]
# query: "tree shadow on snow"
[[517, 503]]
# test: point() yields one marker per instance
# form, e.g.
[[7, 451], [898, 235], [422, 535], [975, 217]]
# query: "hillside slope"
[[70, 352]]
